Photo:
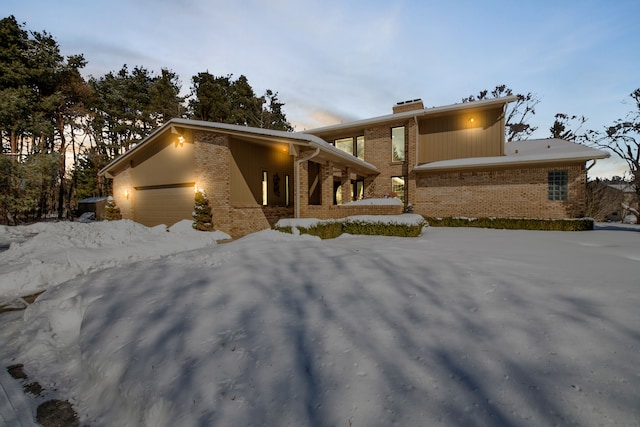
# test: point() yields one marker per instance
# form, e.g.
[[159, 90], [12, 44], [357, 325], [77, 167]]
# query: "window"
[[397, 186], [358, 189], [397, 144], [265, 187], [345, 144], [360, 147], [558, 183]]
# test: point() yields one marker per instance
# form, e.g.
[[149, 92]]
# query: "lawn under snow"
[[465, 327]]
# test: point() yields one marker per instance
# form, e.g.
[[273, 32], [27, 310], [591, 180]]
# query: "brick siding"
[[212, 157], [510, 193]]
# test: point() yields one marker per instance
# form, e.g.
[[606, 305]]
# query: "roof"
[[92, 200], [267, 136], [626, 187], [520, 153], [433, 111]]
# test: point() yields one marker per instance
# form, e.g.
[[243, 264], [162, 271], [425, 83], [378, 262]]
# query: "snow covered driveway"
[[458, 327]]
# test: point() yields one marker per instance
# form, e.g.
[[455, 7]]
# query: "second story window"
[[397, 144], [345, 144], [360, 147], [351, 145]]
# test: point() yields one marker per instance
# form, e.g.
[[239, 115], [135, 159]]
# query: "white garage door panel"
[[163, 206]]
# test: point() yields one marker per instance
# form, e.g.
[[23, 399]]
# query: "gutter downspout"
[[315, 153], [592, 165], [415, 119]]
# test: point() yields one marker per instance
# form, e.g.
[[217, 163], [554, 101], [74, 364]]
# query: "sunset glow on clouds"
[[334, 61]]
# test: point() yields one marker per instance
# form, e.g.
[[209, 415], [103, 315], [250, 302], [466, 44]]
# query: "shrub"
[[333, 228], [111, 211], [381, 229], [579, 224], [202, 218]]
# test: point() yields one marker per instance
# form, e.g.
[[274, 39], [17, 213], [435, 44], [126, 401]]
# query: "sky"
[[334, 61]]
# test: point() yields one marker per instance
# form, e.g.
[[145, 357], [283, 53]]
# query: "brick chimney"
[[412, 104]]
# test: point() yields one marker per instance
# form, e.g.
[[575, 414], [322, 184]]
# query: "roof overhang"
[[295, 141], [434, 112], [522, 154]]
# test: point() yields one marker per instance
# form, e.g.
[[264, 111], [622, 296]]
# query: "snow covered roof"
[[92, 200], [534, 151], [327, 151], [624, 187]]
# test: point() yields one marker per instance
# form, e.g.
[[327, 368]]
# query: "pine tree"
[[202, 219], [111, 211]]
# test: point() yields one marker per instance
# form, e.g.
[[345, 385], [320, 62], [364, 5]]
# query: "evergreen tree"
[[224, 100], [111, 211], [202, 219], [27, 188], [85, 174], [131, 104], [17, 99]]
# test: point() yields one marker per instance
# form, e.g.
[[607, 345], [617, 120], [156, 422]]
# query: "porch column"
[[326, 172], [347, 191], [303, 185]]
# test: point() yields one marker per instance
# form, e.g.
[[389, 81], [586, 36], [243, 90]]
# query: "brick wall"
[[250, 219], [212, 163], [377, 151], [211, 153], [510, 193]]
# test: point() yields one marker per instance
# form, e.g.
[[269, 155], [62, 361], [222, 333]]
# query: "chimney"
[[412, 104]]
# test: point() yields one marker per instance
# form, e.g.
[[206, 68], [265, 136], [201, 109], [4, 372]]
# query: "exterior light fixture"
[[179, 139], [471, 120], [126, 193], [195, 187]]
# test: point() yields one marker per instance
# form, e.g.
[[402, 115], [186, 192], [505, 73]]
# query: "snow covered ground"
[[457, 327]]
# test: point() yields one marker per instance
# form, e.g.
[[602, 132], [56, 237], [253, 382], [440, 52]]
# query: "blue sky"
[[337, 60]]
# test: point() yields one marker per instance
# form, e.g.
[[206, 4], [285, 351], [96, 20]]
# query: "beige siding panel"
[[247, 163], [477, 134], [163, 205], [164, 163]]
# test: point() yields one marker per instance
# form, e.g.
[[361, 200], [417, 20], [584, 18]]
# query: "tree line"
[[58, 129]]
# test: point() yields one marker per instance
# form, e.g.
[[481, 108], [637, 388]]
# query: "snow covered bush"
[[375, 228], [406, 225], [111, 211], [578, 224], [202, 218]]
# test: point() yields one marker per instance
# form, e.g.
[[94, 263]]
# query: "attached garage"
[[165, 204]]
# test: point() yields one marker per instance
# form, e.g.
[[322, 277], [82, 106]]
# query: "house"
[[611, 201], [443, 161]]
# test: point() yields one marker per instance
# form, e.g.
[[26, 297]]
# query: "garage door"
[[163, 205]]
